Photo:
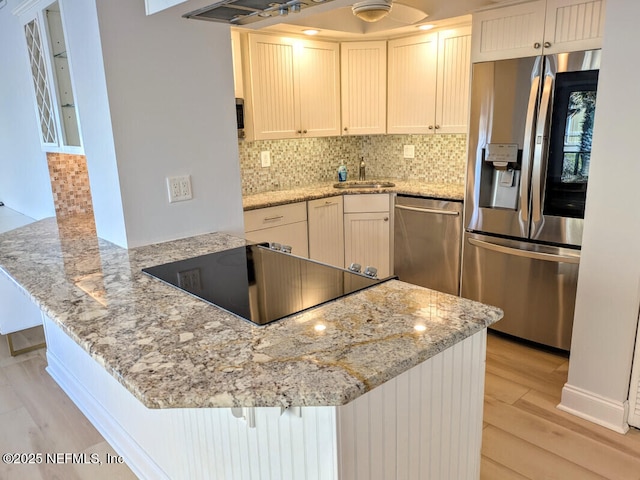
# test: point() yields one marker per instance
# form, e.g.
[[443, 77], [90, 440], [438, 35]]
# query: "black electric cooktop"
[[260, 284]]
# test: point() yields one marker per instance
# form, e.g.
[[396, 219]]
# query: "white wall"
[[170, 88], [85, 57], [608, 295], [24, 176]]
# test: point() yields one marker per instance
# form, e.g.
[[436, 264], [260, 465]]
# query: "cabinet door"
[[364, 88], [572, 25], [454, 75], [236, 55], [509, 32], [318, 65], [326, 230], [275, 108], [367, 241], [412, 84]]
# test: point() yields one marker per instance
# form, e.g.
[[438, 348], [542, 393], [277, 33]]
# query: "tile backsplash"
[[70, 184], [438, 158]]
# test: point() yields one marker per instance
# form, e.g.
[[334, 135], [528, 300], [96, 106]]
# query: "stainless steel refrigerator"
[[531, 125]]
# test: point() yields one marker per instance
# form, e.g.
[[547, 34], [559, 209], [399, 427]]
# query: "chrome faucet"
[[362, 175]]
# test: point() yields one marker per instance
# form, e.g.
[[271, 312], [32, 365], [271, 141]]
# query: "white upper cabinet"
[[453, 84], [412, 84], [364, 87], [539, 27], [295, 87], [50, 68], [429, 83]]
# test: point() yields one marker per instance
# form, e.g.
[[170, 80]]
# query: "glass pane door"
[[570, 143]]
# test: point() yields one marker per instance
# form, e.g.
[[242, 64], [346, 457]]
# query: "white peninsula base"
[[424, 424]]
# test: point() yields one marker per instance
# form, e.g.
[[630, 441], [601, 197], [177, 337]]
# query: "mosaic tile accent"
[[70, 184], [300, 162]]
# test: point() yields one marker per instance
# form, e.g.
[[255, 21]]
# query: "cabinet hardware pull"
[[271, 219], [430, 127], [437, 127], [547, 44], [299, 131], [304, 131], [345, 129], [537, 45], [386, 219]]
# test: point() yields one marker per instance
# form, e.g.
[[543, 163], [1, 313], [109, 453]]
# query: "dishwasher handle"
[[549, 257], [428, 210]]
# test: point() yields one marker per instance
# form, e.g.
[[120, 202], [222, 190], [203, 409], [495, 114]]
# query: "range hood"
[[243, 12]]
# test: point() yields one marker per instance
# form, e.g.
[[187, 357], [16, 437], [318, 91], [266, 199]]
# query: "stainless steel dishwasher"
[[427, 242]]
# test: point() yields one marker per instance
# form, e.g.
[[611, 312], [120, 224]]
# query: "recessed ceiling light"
[[310, 32], [427, 26]]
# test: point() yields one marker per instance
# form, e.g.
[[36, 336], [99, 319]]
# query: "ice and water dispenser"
[[500, 175]]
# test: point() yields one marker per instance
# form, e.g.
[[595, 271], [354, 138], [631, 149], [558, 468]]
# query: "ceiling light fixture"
[[371, 10], [310, 32], [427, 26]]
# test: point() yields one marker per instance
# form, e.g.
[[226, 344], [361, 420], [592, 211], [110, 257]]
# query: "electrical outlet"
[[265, 158], [179, 188], [409, 151], [190, 280], [185, 188]]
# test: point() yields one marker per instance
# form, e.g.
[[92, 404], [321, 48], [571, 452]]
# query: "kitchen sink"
[[364, 184]]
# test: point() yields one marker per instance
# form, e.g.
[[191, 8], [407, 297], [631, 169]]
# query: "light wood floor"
[[524, 436], [36, 416]]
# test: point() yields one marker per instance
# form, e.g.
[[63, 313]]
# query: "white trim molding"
[[603, 411]]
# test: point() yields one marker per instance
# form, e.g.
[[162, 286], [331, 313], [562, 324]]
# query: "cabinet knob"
[[371, 272], [537, 45], [299, 132], [430, 127], [437, 127], [346, 129], [386, 219], [304, 131], [547, 44]]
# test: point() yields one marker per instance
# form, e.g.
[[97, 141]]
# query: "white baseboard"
[[595, 408]]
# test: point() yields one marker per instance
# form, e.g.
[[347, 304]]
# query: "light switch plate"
[[265, 158], [409, 151]]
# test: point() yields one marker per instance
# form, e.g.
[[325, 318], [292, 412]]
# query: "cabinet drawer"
[[275, 216], [368, 202]]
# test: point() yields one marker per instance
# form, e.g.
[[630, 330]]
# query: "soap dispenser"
[[342, 173], [362, 175]]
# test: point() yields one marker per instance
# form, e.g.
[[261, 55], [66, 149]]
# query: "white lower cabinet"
[[338, 230], [284, 224], [367, 232], [326, 230]]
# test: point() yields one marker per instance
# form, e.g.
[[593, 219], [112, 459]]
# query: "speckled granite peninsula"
[[173, 351]]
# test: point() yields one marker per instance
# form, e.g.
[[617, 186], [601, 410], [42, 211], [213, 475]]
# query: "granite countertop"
[[170, 349], [444, 191]]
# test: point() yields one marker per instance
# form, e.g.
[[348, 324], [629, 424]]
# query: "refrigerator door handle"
[[540, 151], [527, 149], [549, 257], [427, 210]]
